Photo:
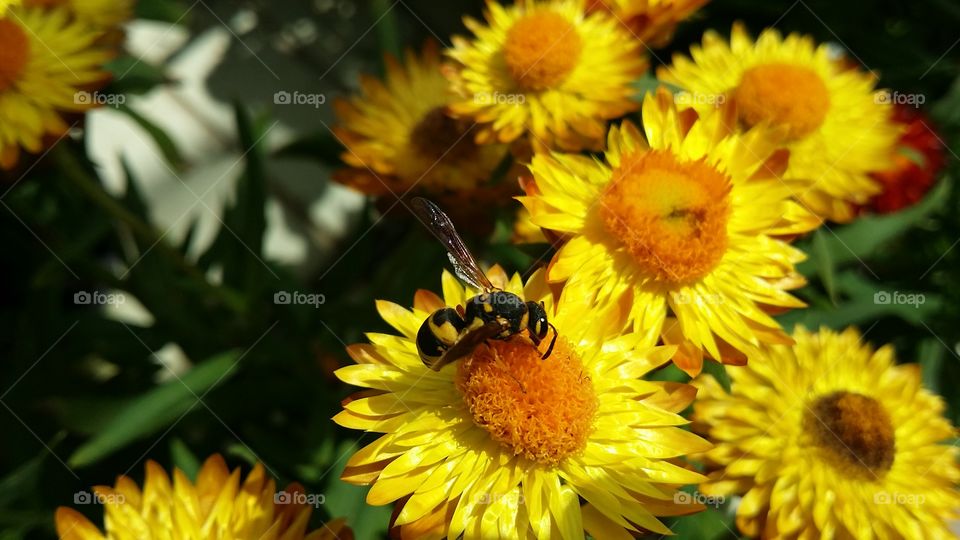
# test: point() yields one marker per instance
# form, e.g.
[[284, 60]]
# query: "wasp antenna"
[[552, 342]]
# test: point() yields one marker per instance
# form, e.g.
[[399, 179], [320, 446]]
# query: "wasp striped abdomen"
[[438, 333]]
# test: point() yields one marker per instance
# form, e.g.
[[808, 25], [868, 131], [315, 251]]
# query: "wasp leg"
[[516, 380], [552, 343], [506, 370]]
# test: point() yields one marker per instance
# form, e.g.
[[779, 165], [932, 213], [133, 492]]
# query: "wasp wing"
[[467, 343], [464, 264]]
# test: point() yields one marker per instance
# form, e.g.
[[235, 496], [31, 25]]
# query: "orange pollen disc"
[[671, 216], [541, 49], [438, 136], [855, 429], [14, 52], [793, 97], [540, 409]]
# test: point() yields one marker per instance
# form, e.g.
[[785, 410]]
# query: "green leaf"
[[319, 146], [25, 478], [183, 458], [866, 236], [167, 147], [238, 247], [825, 265], [343, 499], [383, 12], [648, 84], [156, 409], [133, 199], [719, 372], [134, 76], [171, 11], [711, 524], [864, 311], [931, 358], [671, 373]]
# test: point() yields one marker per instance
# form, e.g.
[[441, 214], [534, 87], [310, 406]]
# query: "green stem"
[[382, 11], [75, 171]]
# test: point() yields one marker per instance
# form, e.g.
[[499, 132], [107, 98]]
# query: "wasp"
[[449, 334]]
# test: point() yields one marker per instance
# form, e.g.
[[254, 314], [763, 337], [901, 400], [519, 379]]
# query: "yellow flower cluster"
[[218, 505], [673, 234], [52, 56], [672, 215]]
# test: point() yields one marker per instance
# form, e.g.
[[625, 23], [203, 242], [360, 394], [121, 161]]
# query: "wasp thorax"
[[542, 410], [502, 307]]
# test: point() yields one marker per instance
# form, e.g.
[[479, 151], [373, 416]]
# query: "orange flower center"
[[541, 49], [793, 97], [14, 53], [855, 429], [433, 136], [540, 409], [671, 216]]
